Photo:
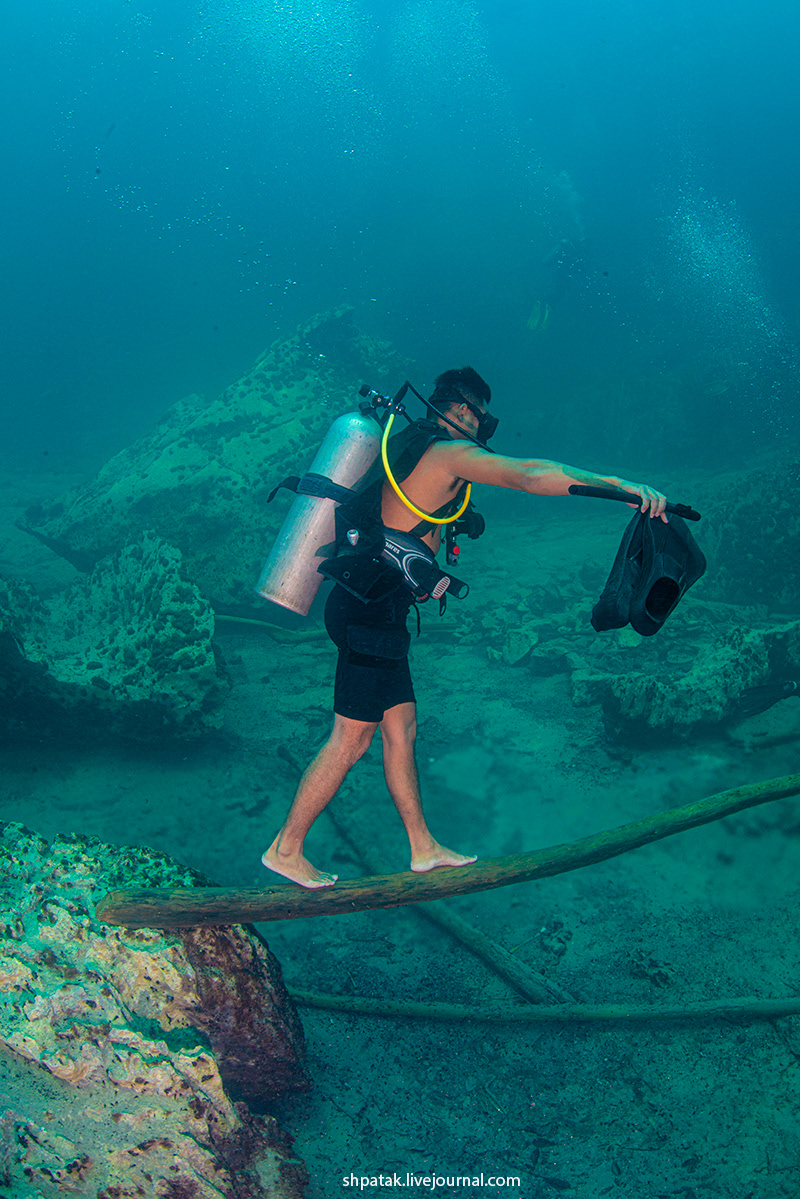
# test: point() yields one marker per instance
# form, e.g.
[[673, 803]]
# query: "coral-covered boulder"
[[704, 685], [751, 529], [128, 648], [201, 479], [135, 1063]]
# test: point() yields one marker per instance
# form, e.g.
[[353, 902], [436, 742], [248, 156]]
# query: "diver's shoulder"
[[458, 449], [450, 459]]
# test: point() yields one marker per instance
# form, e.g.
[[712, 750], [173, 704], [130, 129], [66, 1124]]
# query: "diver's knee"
[[354, 737], [361, 744], [399, 725]]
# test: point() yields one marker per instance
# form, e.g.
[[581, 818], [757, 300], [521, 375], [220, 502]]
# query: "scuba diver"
[[387, 563], [556, 274]]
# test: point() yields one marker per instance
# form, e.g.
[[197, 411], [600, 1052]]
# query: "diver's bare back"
[[429, 486]]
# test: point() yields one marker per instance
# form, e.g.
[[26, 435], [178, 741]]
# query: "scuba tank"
[[339, 488], [307, 536]]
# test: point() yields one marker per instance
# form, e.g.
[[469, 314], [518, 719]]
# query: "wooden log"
[[523, 978], [167, 908], [578, 1013]]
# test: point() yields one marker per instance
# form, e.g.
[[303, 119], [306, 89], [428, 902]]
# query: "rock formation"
[[695, 671], [128, 648], [135, 1063], [702, 685], [751, 526], [201, 479]]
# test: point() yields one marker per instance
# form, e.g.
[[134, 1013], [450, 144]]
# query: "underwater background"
[[252, 207], [583, 200]]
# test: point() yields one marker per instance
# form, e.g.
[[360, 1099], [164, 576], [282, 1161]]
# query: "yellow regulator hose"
[[434, 520]]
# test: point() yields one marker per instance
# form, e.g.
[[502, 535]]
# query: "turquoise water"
[[595, 206], [186, 182]]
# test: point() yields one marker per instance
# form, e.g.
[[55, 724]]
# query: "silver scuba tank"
[[306, 537]]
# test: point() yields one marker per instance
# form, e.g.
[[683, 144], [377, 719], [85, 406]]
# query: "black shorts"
[[372, 674]]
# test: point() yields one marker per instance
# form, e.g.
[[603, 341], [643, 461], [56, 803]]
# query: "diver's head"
[[463, 396]]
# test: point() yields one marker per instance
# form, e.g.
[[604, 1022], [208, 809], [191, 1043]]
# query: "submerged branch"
[[721, 1009], [171, 908]]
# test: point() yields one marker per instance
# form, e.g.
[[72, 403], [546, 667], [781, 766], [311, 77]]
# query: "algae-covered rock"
[[129, 646], [695, 671], [201, 479], [126, 1055], [751, 533], [701, 685]]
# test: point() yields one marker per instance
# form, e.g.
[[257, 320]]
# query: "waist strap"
[[316, 485]]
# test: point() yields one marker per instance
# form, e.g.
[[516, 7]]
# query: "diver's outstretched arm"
[[537, 476]]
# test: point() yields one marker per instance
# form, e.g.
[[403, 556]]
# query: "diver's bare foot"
[[437, 855], [297, 868]]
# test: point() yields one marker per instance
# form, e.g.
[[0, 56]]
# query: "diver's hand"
[[652, 501]]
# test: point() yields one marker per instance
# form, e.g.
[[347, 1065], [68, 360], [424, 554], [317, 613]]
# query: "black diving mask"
[[487, 424]]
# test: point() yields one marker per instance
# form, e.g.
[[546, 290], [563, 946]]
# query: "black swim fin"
[[613, 609], [656, 564]]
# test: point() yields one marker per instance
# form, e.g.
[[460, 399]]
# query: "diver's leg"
[[398, 731], [348, 741]]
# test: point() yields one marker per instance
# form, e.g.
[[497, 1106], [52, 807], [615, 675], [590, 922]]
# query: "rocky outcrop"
[[695, 671], [201, 479], [702, 686], [128, 1056], [751, 527], [128, 648]]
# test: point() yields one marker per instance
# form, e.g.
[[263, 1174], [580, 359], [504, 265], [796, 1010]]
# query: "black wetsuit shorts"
[[372, 674]]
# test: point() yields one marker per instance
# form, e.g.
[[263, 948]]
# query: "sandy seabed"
[[508, 763]]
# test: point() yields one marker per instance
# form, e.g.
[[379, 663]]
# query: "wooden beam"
[[563, 1013], [167, 908]]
